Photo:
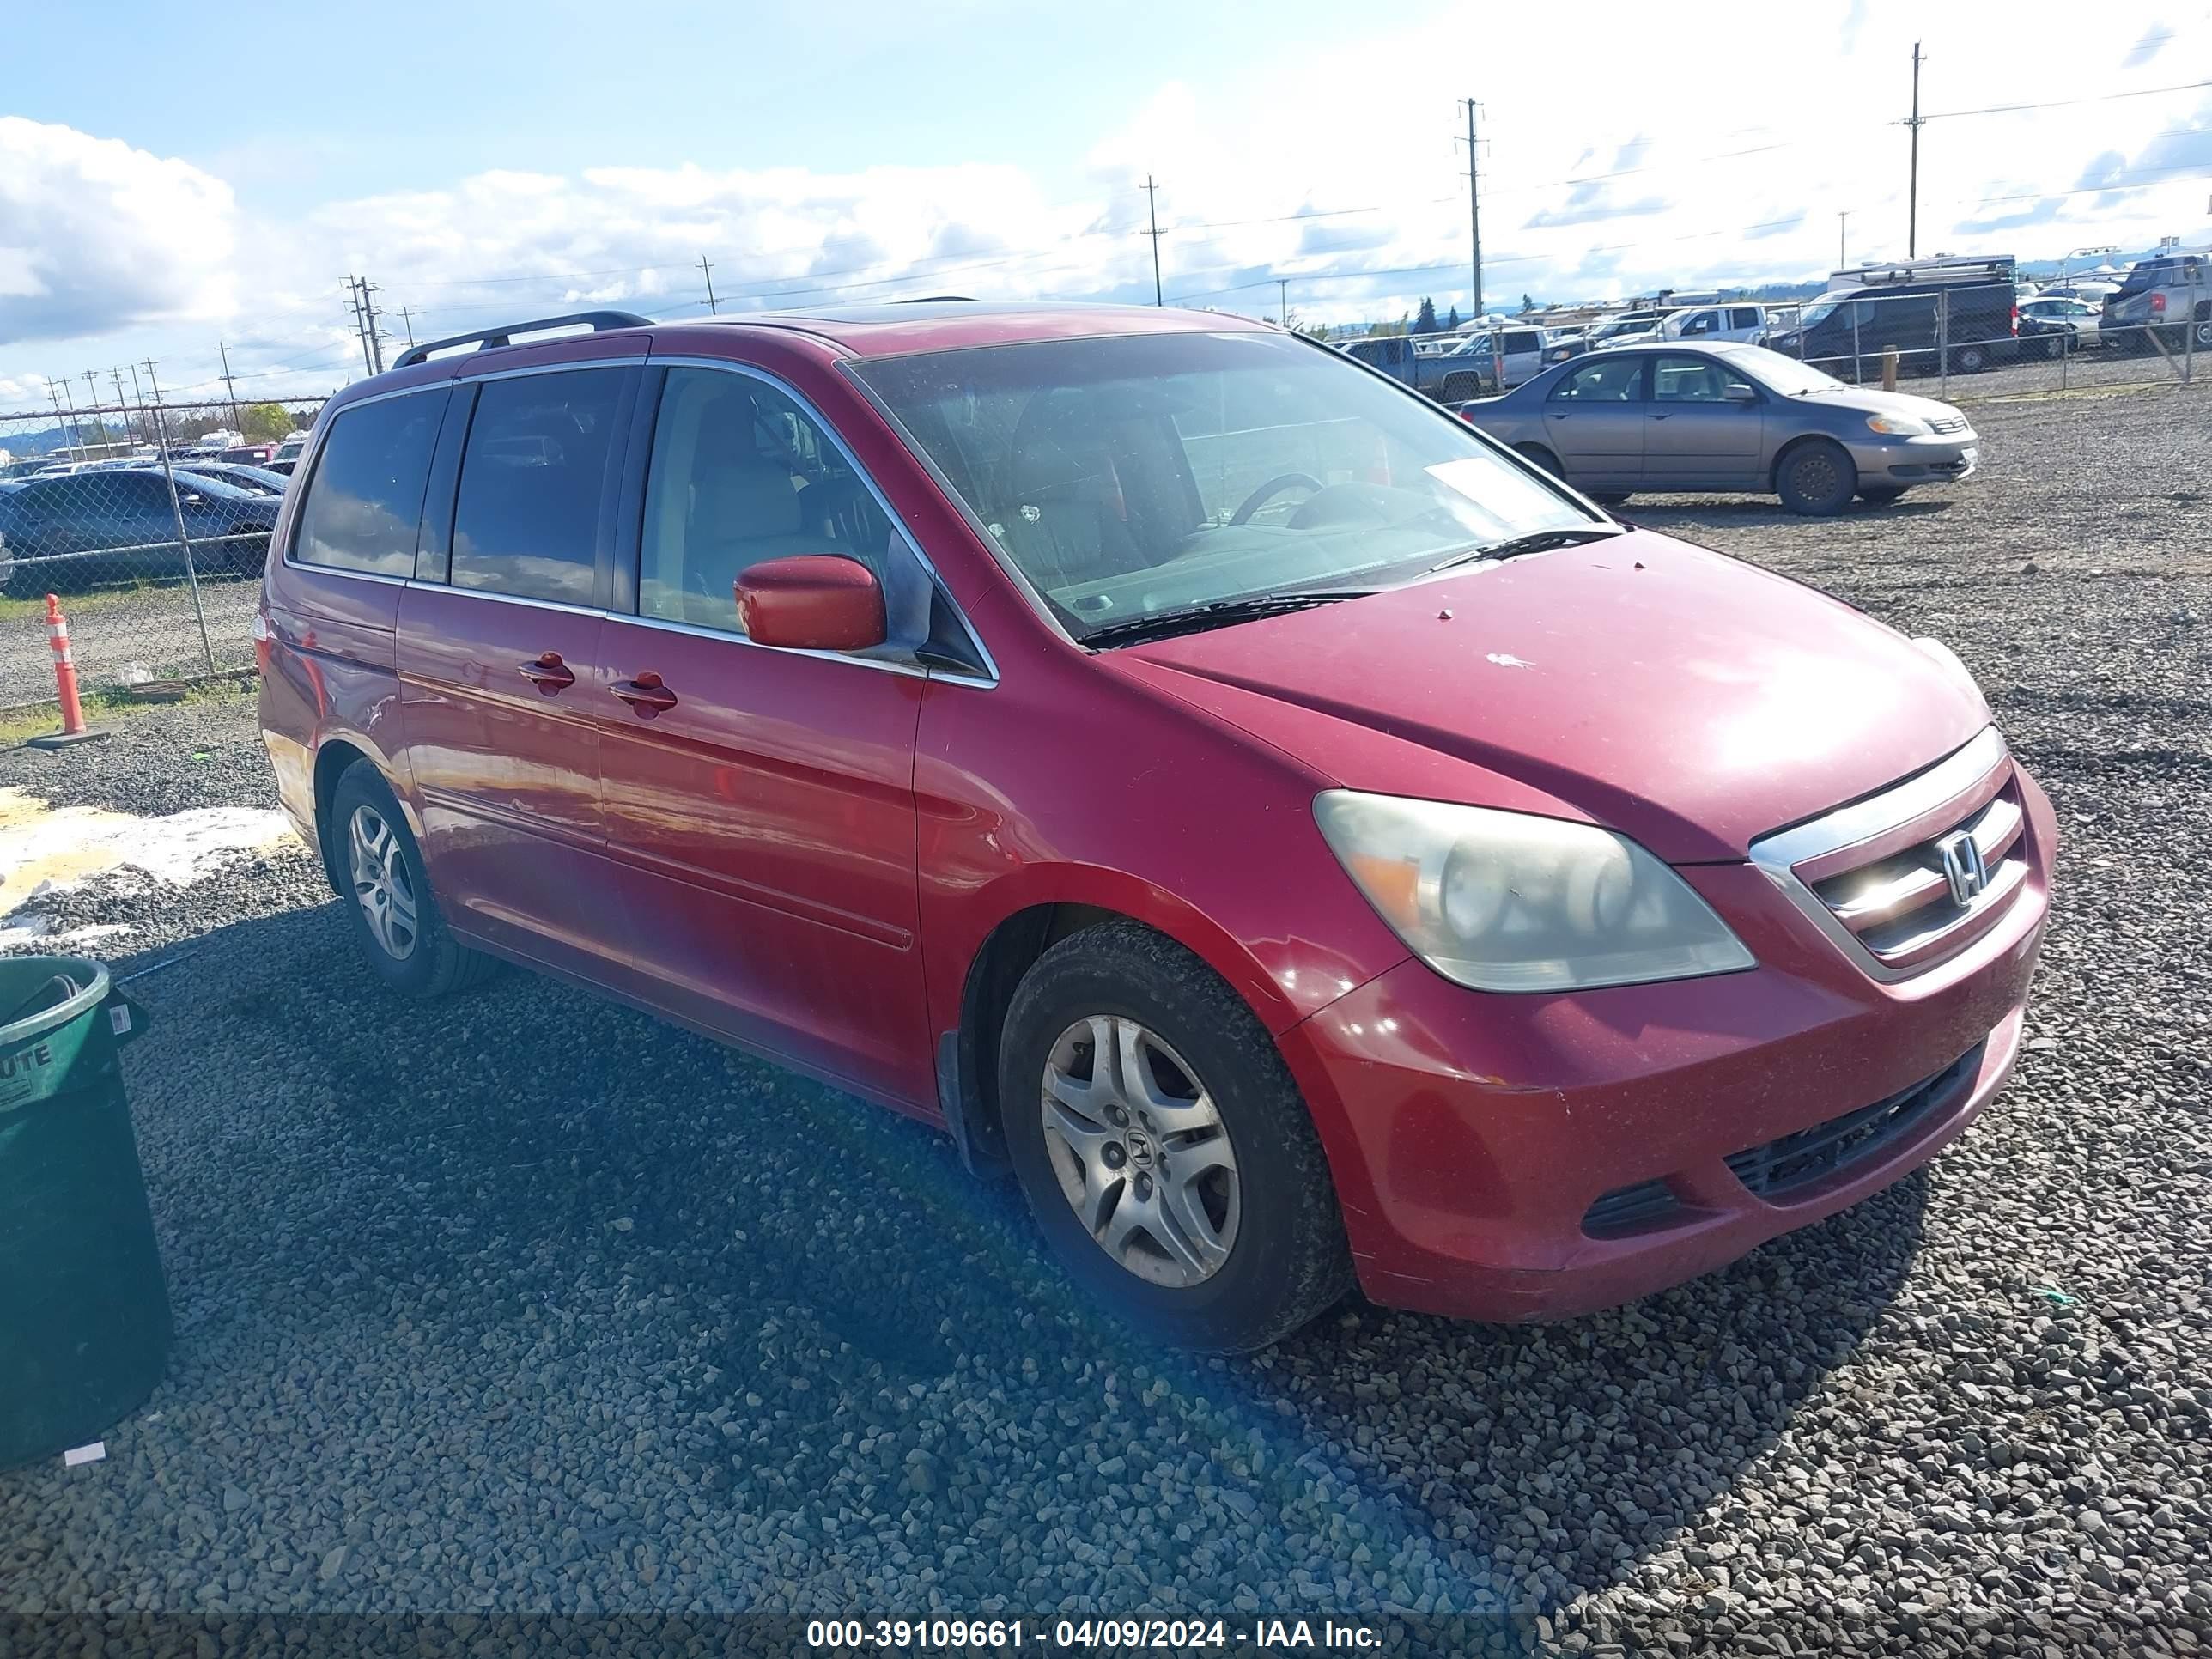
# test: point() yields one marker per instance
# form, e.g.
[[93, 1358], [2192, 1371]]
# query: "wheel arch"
[[1790, 448], [1036, 909]]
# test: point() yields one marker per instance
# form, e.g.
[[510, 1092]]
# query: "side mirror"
[[812, 602], [1735, 393]]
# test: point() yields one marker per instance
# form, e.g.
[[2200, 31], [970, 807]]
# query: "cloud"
[[2148, 45], [1589, 206], [96, 235]]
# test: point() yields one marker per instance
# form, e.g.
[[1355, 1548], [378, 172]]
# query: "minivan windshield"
[[1136, 475]]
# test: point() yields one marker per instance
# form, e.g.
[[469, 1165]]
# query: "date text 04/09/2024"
[[1089, 1633]]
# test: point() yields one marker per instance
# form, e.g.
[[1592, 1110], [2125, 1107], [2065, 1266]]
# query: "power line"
[[2065, 103]]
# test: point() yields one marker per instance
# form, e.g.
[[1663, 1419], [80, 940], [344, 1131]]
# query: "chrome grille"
[[1943, 425], [1900, 905], [1908, 878]]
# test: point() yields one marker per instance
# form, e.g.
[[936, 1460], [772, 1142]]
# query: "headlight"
[[1509, 901], [1897, 426]]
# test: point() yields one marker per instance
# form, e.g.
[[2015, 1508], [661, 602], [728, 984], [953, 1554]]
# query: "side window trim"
[[434, 538], [634, 517], [637, 462]]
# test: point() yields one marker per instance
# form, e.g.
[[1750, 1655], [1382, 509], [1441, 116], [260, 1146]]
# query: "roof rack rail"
[[485, 339], [937, 300]]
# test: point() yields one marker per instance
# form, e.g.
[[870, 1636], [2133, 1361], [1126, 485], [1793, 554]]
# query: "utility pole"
[[1843, 244], [76, 427], [1152, 208], [91, 401], [376, 334], [360, 326], [1912, 192], [707, 270], [1473, 211], [237, 421], [61, 422], [407, 322], [116, 375], [1283, 301]]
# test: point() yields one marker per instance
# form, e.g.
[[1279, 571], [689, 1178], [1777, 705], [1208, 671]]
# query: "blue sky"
[[168, 179]]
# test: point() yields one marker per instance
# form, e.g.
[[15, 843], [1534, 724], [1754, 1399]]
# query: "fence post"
[[1858, 366], [2189, 343], [1943, 340], [176, 513]]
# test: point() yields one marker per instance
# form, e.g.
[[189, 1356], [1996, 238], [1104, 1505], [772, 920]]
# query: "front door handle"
[[645, 695], [1656, 415], [547, 673]]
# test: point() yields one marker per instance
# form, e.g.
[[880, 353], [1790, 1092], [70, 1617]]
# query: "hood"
[[1691, 702], [1875, 401]]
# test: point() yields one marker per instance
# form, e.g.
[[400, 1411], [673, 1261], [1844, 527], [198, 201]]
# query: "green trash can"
[[84, 1312]]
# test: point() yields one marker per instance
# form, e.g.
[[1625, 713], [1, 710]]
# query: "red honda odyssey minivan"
[[1299, 839]]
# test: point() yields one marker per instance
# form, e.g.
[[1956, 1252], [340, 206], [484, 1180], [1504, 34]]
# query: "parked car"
[[249, 455], [1706, 324], [2093, 291], [2051, 327], [1450, 374], [1510, 355], [88, 527], [253, 480], [2163, 302], [1623, 326], [1958, 311], [1644, 418], [1300, 839]]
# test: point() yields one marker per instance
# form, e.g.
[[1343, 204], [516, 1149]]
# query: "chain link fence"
[[1980, 342], [151, 523]]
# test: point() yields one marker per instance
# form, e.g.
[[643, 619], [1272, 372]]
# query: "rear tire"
[[377, 869], [1206, 1214], [1542, 456], [1817, 479], [1969, 360]]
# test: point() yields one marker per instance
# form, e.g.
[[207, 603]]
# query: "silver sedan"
[[1665, 417]]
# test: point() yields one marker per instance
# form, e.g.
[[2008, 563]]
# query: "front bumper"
[[1944, 459], [1469, 1134]]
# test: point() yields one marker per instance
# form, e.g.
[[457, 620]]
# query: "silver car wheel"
[[380, 883], [1142, 1155]]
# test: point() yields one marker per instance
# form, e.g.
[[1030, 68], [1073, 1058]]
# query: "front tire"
[[1881, 494], [1164, 1147], [378, 869], [1817, 479]]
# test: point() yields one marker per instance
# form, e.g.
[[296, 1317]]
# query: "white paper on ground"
[[76, 1455]]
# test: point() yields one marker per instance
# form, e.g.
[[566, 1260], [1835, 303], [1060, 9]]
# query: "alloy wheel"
[[381, 884], [1141, 1152]]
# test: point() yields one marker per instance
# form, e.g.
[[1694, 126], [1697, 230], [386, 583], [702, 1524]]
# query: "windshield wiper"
[[1537, 542], [1216, 613]]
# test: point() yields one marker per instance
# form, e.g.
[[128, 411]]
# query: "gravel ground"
[[527, 1303], [111, 630]]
